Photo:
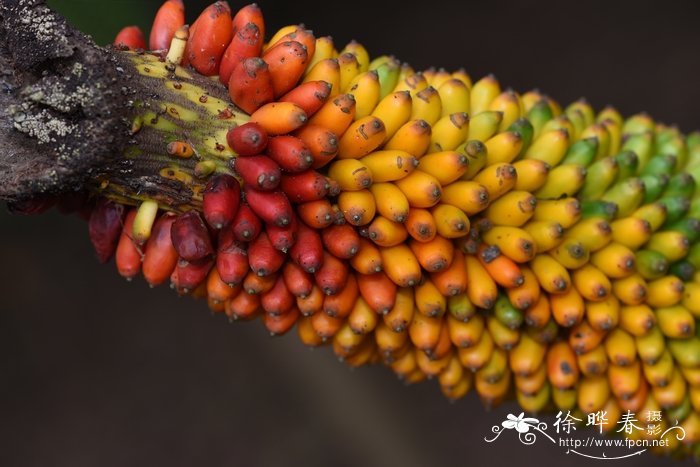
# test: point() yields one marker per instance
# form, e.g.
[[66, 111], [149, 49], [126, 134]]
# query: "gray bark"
[[63, 111]]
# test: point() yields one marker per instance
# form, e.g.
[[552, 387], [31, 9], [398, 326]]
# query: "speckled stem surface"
[[78, 117], [62, 106]]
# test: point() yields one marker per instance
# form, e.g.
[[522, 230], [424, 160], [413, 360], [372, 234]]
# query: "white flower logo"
[[522, 425], [519, 423]]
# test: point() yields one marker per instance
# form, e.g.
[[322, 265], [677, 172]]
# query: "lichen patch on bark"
[[61, 110]]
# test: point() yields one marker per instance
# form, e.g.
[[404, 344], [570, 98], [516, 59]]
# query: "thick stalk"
[[178, 136], [76, 117]]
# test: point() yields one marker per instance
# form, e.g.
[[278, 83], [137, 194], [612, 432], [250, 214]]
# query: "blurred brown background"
[[98, 371]]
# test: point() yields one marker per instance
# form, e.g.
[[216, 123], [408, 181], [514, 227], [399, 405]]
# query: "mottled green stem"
[[178, 136]]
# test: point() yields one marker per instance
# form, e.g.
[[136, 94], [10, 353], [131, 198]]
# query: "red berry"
[[247, 139], [191, 237]]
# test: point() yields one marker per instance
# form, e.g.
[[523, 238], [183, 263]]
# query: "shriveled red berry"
[[191, 237], [105, 226]]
